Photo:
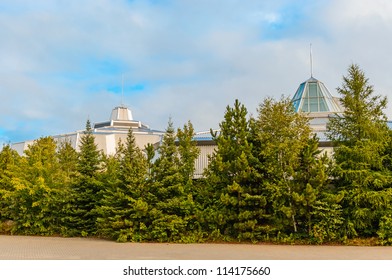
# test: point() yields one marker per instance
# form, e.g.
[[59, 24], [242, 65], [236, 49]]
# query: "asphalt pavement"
[[58, 248]]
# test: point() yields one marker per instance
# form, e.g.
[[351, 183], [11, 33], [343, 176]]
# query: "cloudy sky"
[[62, 61]]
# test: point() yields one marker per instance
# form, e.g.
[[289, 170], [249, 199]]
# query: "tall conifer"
[[86, 189], [171, 205], [236, 204], [360, 136], [124, 210]]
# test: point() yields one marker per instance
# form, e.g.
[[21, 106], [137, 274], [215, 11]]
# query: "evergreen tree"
[[360, 138], [236, 204], [89, 155], [68, 161], [171, 205], [317, 206], [124, 210], [86, 189], [283, 134], [188, 153]]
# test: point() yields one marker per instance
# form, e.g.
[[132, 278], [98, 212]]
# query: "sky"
[[65, 61]]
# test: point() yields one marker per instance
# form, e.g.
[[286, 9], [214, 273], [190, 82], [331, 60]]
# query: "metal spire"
[[311, 61]]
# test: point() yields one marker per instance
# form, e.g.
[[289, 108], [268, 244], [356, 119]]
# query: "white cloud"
[[60, 60]]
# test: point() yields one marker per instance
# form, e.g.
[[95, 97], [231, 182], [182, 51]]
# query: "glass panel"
[[323, 105], [305, 105], [314, 104], [298, 94], [313, 90], [296, 104]]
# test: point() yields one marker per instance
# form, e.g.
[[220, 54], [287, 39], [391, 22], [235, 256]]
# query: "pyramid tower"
[[313, 97], [317, 103]]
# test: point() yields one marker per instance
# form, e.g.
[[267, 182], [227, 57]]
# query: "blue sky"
[[63, 61]]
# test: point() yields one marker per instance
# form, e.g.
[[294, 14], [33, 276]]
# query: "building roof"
[[121, 121], [312, 96], [121, 113]]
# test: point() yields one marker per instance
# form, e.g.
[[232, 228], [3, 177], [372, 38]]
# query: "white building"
[[108, 134], [312, 97]]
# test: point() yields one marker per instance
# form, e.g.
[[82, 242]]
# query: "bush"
[[385, 230]]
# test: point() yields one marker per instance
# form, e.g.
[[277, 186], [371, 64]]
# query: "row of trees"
[[267, 180]]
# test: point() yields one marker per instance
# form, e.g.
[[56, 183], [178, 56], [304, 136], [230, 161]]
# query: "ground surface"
[[57, 248]]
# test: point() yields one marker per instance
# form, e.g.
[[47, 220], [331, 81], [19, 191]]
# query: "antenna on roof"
[[311, 61]]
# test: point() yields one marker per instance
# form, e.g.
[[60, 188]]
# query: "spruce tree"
[[170, 203], [235, 207], [68, 161], [360, 137], [89, 155], [86, 188], [188, 152], [124, 210], [318, 212]]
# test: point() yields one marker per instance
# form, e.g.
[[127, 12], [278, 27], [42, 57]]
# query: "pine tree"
[[360, 138]]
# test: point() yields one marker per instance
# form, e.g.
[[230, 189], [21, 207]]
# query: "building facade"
[[108, 134], [311, 98]]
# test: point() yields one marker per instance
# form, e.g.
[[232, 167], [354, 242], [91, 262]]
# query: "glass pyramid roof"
[[312, 96]]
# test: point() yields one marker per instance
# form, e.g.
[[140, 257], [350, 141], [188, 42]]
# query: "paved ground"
[[57, 248]]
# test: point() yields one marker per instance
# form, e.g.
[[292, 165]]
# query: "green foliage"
[[327, 219], [309, 183], [68, 161], [173, 208], [124, 212], [9, 168], [89, 156], [85, 190], [188, 152], [284, 135], [267, 180], [361, 139], [36, 198], [235, 204], [385, 230]]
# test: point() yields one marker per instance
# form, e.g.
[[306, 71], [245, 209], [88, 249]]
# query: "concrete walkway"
[[57, 248]]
